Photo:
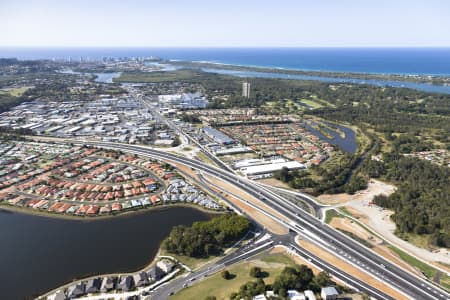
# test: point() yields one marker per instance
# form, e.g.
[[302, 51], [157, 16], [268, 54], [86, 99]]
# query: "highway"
[[252, 249], [307, 225]]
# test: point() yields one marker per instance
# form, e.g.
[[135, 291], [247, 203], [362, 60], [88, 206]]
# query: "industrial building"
[[271, 168], [218, 136]]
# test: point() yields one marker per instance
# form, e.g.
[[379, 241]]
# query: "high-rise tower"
[[246, 89]]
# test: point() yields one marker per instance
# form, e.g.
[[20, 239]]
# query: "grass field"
[[344, 210], [15, 92], [330, 214], [277, 258], [216, 286], [191, 262], [205, 158], [311, 103], [421, 240]]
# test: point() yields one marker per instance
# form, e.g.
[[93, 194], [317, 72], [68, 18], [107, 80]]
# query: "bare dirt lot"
[[351, 226], [374, 188], [379, 220]]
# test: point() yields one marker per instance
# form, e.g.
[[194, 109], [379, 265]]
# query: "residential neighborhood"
[[140, 282], [83, 181], [258, 145]]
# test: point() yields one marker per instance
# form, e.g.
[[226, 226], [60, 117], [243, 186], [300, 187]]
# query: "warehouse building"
[[218, 136]]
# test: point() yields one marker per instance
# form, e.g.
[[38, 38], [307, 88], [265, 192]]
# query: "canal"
[[39, 253]]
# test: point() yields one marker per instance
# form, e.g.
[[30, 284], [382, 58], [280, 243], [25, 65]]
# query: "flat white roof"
[[270, 168]]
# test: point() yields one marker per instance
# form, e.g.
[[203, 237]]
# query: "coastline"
[[434, 79]]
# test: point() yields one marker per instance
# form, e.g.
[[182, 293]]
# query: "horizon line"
[[225, 47]]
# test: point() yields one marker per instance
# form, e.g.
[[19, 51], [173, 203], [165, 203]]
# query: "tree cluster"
[[190, 118], [422, 201], [207, 238], [299, 278]]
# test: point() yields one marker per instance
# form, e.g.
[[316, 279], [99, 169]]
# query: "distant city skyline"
[[201, 23]]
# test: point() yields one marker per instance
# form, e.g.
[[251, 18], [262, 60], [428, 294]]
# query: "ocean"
[[423, 61]]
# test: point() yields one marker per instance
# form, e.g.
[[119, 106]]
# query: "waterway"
[[100, 77], [106, 77], [347, 142], [426, 87], [39, 253]]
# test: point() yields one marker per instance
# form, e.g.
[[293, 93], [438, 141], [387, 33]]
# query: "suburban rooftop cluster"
[[88, 181], [141, 282], [259, 145], [438, 156], [326, 293], [109, 119]]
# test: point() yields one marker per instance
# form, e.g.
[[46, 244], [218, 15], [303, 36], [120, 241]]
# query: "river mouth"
[[38, 253]]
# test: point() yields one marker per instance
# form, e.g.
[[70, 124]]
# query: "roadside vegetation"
[[330, 214], [426, 269]]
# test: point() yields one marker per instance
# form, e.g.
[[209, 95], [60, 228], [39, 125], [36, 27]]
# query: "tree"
[[234, 296], [298, 277], [176, 141], [284, 174], [226, 275], [256, 272], [323, 279]]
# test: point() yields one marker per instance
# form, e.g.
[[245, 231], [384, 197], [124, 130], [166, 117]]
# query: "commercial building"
[[218, 136]]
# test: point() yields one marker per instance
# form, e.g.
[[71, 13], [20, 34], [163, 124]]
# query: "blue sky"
[[231, 23]]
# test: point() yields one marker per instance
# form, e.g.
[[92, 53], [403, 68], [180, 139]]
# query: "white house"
[[294, 295], [329, 293]]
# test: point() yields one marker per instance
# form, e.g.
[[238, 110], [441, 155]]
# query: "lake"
[[106, 77], [99, 77], [347, 143], [39, 253]]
